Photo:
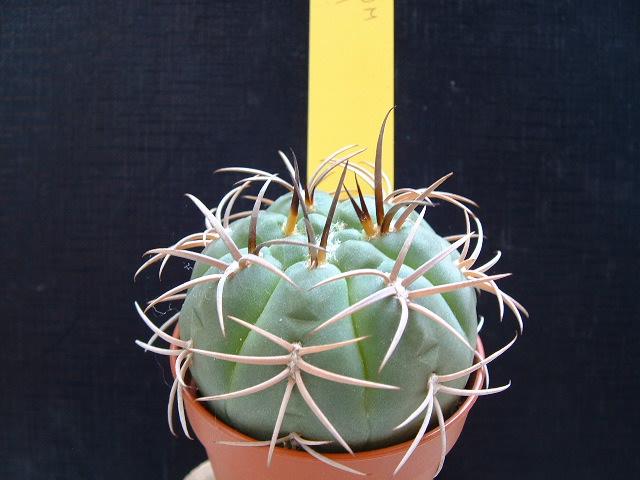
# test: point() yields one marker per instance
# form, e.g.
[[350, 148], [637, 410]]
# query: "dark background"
[[110, 111]]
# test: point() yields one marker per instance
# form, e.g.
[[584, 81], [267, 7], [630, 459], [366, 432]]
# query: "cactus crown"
[[265, 329]]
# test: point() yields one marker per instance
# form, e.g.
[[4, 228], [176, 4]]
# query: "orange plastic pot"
[[239, 463]]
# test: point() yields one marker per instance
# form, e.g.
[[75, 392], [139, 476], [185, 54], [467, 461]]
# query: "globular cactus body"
[[351, 339], [366, 418]]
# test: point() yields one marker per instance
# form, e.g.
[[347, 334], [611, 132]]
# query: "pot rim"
[[214, 422]]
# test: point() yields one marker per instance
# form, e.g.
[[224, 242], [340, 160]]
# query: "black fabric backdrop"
[[110, 111]]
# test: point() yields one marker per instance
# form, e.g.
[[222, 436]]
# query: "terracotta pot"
[[242, 463]]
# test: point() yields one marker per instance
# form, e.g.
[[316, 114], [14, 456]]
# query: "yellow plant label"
[[351, 80]]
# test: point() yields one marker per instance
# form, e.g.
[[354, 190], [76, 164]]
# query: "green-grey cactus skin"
[[365, 417]]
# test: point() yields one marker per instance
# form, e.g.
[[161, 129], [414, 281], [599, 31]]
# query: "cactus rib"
[[435, 385], [294, 363]]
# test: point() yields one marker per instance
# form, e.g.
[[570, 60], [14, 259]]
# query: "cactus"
[[340, 318]]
